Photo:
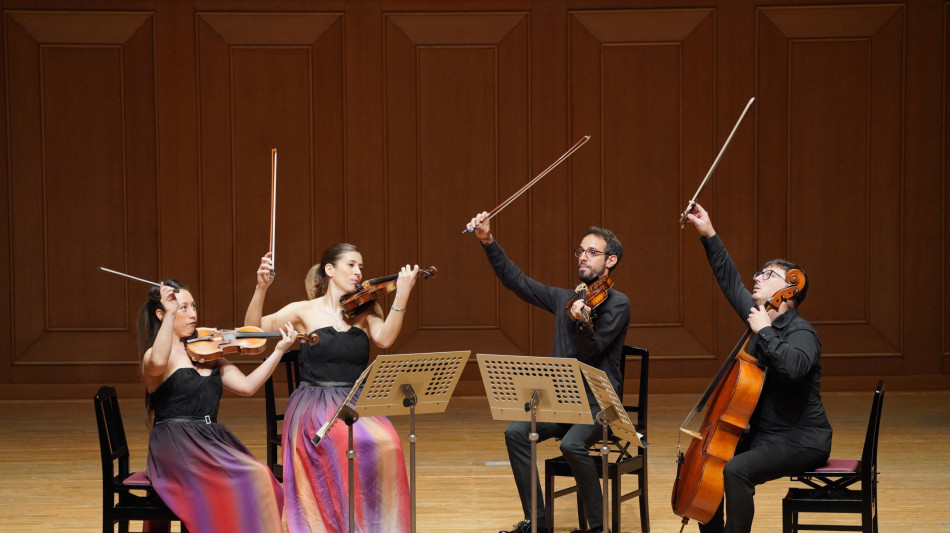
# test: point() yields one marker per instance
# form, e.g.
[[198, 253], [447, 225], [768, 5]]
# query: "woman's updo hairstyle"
[[316, 280]]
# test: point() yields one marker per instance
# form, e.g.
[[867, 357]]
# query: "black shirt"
[[600, 347], [790, 409]]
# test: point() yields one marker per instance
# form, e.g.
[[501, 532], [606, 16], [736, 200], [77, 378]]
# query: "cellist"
[[789, 431]]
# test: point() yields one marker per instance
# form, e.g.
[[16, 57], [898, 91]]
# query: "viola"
[[593, 296], [731, 397], [358, 301], [211, 343]]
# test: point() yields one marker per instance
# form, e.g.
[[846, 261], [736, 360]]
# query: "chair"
[[624, 463], [291, 362], [829, 487], [117, 481]]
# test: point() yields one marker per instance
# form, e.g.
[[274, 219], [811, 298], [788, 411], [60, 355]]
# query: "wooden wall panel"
[[945, 168], [268, 81], [830, 128], [83, 115], [137, 134], [456, 144], [642, 83]]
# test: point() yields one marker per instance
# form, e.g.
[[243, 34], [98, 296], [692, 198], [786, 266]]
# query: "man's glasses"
[[589, 253], [765, 274]]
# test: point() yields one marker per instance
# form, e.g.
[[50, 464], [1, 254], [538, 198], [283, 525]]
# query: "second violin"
[[211, 344], [357, 302]]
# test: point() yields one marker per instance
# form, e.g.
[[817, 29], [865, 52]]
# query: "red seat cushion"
[[138, 479], [840, 465]]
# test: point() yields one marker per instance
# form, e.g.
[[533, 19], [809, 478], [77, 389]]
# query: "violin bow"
[[117, 273], [692, 202], [273, 210], [537, 178]]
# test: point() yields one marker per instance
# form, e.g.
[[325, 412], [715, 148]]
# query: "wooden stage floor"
[[50, 470]]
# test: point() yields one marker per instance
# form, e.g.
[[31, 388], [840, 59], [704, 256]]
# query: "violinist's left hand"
[[406, 280], [288, 335], [578, 308], [759, 318]]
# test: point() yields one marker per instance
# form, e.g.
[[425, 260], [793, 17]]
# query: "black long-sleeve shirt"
[[790, 409], [600, 347]]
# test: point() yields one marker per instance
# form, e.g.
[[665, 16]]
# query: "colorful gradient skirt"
[[211, 481], [316, 478]]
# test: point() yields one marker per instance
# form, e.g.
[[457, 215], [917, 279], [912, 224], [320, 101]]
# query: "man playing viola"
[[789, 432], [600, 345]]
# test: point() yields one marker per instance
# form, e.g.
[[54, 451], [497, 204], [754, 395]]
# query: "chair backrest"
[[869, 455], [641, 407], [291, 362], [112, 444]]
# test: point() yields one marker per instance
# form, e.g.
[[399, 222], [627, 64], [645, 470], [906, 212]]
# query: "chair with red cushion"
[[119, 504], [840, 486]]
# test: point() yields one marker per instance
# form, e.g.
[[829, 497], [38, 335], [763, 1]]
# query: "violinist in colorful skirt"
[[198, 467], [316, 482]]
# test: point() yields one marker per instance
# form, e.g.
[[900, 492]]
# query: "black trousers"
[[575, 439], [761, 462]]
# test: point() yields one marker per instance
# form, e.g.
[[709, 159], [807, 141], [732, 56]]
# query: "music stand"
[[612, 415], [349, 416], [409, 384], [546, 389]]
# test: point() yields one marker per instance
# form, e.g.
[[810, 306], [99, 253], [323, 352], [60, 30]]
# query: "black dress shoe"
[[521, 527]]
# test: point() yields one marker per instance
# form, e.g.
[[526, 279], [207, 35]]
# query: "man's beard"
[[591, 277]]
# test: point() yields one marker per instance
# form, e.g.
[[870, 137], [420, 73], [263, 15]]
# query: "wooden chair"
[[624, 462], [830, 488], [119, 504], [274, 421]]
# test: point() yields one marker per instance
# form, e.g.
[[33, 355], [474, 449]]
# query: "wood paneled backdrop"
[[136, 135]]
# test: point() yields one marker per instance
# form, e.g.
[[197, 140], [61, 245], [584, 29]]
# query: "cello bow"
[[715, 163]]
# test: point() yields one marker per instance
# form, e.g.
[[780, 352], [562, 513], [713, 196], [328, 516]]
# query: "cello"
[[731, 399]]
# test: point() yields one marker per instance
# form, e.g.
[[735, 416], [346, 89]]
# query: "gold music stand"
[[349, 416], [525, 388], [612, 415], [409, 384]]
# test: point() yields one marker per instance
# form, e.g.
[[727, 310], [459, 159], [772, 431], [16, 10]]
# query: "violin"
[[732, 397], [211, 344], [593, 296], [357, 302]]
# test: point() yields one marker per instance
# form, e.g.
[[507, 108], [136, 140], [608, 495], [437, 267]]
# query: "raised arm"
[[155, 360], [255, 309], [383, 332], [235, 381]]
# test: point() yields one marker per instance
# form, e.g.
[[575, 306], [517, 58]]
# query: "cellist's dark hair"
[[148, 322], [788, 265]]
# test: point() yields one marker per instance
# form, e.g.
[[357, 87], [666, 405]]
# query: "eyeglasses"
[[590, 253], [765, 274]]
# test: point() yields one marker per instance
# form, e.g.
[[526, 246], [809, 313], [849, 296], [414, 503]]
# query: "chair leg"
[[644, 505], [787, 526]]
